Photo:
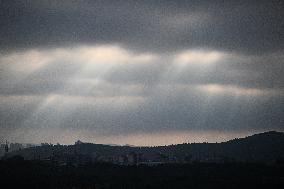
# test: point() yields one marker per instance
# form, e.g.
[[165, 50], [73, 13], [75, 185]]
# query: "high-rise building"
[[6, 147], [15, 146]]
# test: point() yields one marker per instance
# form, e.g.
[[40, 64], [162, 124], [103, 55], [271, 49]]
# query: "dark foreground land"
[[38, 174]]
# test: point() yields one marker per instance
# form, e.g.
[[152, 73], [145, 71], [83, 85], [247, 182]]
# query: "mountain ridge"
[[261, 147]]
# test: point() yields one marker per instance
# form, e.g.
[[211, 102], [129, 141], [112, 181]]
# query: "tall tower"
[[6, 147]]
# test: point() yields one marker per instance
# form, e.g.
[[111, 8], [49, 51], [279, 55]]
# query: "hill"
[[265, 147]]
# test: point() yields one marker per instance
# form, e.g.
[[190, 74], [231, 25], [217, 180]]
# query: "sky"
[[140, 72]]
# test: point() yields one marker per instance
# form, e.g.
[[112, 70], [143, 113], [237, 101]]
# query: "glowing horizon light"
[[69, 136]]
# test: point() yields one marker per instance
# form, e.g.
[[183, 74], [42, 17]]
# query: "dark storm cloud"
[[263, 72], [176, 110], [247, 27]]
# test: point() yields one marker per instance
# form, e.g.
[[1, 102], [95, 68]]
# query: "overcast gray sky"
[[140, 72]]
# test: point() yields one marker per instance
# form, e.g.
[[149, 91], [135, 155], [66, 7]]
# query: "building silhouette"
[[6, 147]]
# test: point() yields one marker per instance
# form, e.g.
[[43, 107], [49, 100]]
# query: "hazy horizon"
[[155, 139]]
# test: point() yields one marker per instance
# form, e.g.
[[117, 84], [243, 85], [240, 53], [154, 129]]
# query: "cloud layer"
[[124, 69], [247, 27]]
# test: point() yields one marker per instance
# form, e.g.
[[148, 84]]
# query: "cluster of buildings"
[[132, 158], [6, 147], [82, 159], [81, 154]]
